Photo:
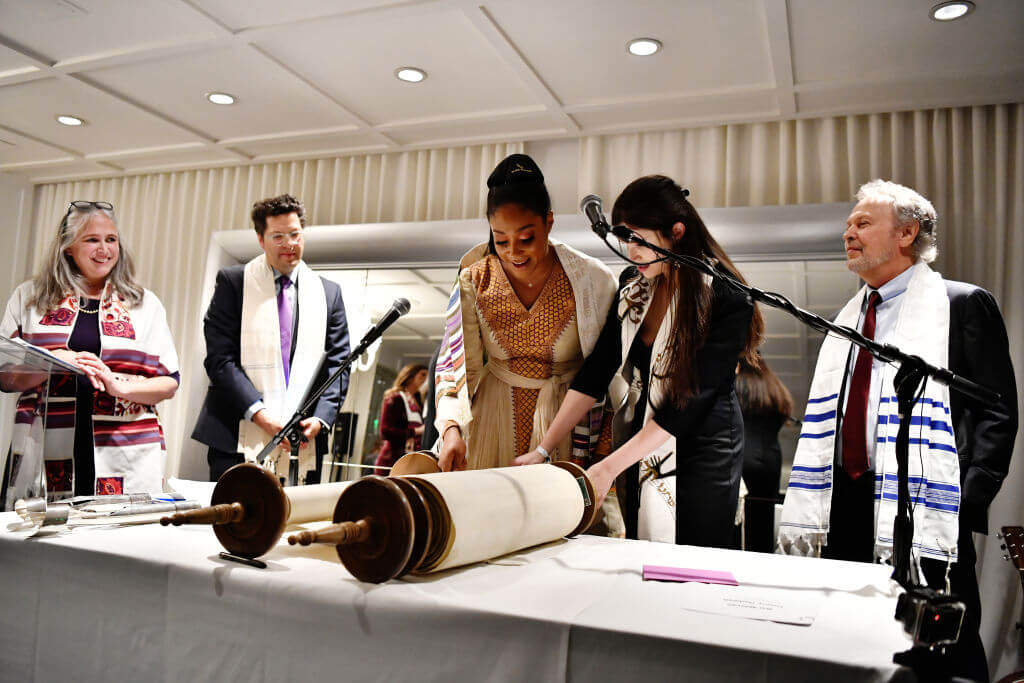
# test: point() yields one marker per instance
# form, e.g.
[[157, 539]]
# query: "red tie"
[[855, 447]]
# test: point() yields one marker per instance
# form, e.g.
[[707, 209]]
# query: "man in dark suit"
[[270, 312], [889, 234]]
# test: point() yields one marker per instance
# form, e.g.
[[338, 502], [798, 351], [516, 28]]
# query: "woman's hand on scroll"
[[453, 450], [534, 457], [602, 478]]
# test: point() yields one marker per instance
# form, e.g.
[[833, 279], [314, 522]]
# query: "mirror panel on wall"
[[790, 348], [368, 294], [796, 245]]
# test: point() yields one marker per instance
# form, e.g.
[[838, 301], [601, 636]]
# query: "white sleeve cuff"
[[253, 409]]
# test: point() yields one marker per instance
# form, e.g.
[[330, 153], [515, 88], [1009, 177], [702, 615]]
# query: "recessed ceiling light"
[[69, 120], [220, 98], [410, 74], [948, 11], [643, 47]]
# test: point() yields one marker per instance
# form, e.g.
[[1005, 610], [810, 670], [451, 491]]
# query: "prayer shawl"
[[593, 289], [656, 520], [260, 347], [922, 328], [397, 440], [128, 439], [413, 418]]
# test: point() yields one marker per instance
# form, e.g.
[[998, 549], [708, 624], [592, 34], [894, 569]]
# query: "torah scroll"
[[249, 509], [426, 523]]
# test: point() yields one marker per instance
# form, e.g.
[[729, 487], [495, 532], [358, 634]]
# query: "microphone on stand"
[[591, 208], [399, 308]]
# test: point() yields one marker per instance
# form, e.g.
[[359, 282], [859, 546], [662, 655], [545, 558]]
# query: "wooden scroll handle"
[[225, 513], [336, 534]]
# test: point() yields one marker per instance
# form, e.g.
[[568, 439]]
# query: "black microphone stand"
[[912, 373], [292, 430]]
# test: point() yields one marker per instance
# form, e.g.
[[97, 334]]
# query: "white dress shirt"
[[293, 300], [886, 314]]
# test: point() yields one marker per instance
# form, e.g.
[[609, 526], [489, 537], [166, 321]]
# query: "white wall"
[[15, 235], [15, 232]]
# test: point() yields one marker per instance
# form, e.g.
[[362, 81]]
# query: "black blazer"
[[715, 361], [708, 429], [231, 392], [979, 351]]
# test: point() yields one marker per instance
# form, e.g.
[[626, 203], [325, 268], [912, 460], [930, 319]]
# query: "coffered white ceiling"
[[316, 77]]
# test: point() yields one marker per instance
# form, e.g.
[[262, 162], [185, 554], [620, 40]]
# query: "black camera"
[[932, 618]]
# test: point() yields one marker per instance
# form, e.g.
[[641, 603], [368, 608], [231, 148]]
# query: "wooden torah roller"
[[386, 528], [249, 509]]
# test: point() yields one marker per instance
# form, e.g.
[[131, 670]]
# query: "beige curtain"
[[968, 161], [166, 219]]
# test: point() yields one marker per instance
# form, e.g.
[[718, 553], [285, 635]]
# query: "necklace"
[[545, 278], [83, 309]]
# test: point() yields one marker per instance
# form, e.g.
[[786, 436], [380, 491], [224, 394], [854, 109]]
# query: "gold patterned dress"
[[520, 360]]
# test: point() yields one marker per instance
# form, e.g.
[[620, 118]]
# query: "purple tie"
[[284, 315]]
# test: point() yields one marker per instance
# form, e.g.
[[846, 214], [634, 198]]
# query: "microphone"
[[399, 308], [591, 208]]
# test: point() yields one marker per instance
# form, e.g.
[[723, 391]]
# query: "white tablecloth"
[[152, 603]]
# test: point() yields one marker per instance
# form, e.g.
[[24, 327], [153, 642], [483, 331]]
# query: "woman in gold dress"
[[525, 311]]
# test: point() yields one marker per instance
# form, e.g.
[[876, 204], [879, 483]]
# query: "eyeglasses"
[[279, 238], [83, 205]]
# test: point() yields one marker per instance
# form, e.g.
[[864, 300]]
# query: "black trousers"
[[709, 465], [759, 523], [708, 471], [852, 537], [221, 461], [968, 655]]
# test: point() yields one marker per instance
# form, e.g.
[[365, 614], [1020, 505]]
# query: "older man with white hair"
[[842, 491]]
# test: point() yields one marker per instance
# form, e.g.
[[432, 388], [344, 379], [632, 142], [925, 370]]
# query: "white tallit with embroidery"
[[656, 520], [128, 440], [261, 353], [458, 378], [922, 329]]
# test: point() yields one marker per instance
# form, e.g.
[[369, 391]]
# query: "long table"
[[148, 603]]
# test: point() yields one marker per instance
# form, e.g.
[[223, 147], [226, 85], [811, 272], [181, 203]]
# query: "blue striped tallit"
[[922, 328]]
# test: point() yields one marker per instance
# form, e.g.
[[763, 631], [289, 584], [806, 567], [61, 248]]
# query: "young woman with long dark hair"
[[675, 336]]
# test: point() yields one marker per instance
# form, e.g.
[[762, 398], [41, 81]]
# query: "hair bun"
[[515, 169]]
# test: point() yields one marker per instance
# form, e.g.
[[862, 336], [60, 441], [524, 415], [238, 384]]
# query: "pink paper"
[[655, 573]]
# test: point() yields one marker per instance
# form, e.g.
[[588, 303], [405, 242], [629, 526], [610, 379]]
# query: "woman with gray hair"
[[102, 433]]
